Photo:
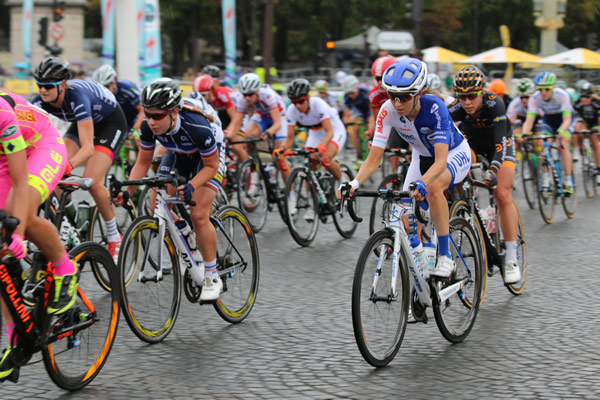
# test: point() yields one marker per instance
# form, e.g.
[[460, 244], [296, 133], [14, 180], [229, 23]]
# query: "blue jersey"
[[361, 105], [192, 135], [84, 99], [128, 97], [432, 125]]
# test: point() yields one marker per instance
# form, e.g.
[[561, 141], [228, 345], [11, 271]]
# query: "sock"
[[10, 328], [444, 245], [63, 266], [569, 180], [112, 231], [511, 250], [210, 267]]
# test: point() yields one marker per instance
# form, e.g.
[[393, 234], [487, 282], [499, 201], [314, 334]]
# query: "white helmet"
[[339, 76], [105, 75], [350, 83], [434, 82], [249, 83]]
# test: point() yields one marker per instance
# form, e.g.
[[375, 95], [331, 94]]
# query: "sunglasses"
[[299, 101], [402, 98], [47, 86], [157, 116], [585, 96], [468, 96], [249, 94], [544, 89]]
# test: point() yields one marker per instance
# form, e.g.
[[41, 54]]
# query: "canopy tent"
[[501, 55], [357, 42], [442, 55], [580, 57]]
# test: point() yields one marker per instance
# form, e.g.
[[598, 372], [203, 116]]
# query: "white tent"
[[357, 42]]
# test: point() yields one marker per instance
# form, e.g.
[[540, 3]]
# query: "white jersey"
[[558, 103], [318, 111], [268, 99], [203, 105]]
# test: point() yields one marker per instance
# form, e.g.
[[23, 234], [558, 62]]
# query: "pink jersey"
[[225, 98]]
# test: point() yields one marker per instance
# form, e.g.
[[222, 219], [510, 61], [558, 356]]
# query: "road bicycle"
[[550, 181], [389, 276], [310, 197], [588, 162], [487, 229], [155, 261], [75, 344], [529, 161]]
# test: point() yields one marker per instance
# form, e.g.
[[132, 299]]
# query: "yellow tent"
[[442, 55], [580, 57], [501, 55]]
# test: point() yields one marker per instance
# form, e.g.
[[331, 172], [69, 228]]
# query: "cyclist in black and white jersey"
[[587, 116]]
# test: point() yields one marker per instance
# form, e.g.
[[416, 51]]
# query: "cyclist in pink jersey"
[[33, 158]]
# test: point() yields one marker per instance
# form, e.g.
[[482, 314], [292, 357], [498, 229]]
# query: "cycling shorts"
[[550, 124], [266, 122], [109, 134], [395, 141], [188, 166], [46, 162], [316, 136], [459, 165]]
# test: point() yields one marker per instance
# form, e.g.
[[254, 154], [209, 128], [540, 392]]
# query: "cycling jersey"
[[268, 99], [516, 109], [588, 114], [554, 109], [128, 97], [489, 133], [329, 98], [377, 96], [318, 111], [83, 100], [360, 106]]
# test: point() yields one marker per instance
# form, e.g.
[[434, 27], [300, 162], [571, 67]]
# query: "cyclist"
[[96, 136], [435, 85], [357, 106], [33, 158], [322, 92], [488, 131], [215, 73], [587, 110], [441, 156], [517, 109], [498, 86], [556, 105], [194, 150]]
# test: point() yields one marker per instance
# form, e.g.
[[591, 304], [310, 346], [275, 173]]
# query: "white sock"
[[210, 268], [511, 250], [112, 231]]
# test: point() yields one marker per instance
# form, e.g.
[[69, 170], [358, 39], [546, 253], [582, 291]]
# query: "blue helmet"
[[408, 75], [545, 79]]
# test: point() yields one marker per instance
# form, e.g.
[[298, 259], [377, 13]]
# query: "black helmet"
[[298, 88], [469, 79], [162, 94], [52, 70], [212, 70]]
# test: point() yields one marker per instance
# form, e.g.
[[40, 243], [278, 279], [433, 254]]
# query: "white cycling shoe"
[[512, 272], [444, 268]]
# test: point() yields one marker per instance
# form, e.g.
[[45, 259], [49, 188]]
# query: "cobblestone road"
[[298, 342]]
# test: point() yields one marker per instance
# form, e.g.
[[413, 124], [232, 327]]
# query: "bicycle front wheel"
[[238, 265], [457, 299], [379, 314], [569, 202], [150, 280], [301, 207], [345, 225], [529, 178], [546, 189], [75, 352], [522, 256], [379, 214], [252, 194]]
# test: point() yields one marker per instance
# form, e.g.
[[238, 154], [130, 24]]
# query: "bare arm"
[[85, 130]]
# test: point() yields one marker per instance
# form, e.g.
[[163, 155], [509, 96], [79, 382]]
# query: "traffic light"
[[58, 10], [43, 40]]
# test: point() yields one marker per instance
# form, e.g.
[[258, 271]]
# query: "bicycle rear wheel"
[[529, 178], [379, 317], [150, 301], [345, 225], [522, 256], [569, 202], [238, 265], [89, 327], [252, 194], [456, 314], [546, 190], [588, 173], [300, 224]]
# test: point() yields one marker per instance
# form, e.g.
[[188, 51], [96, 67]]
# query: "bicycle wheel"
[[150, 301], [460, 208], [529, 179], [379, 317], [301, 225], [74, 360], [220, 200], [238, 265], [588, 173], [343, 223], [143, 205], [378, 214], [569, 203], [522, 256], [252, 194], [455, 315], [546, 190]]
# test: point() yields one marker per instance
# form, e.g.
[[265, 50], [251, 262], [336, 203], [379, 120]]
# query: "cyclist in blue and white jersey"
[[193, 149], [356, 106], [558, 118], [441, 156], [94, 138]]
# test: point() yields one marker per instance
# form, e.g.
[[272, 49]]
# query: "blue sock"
[[444, 245]]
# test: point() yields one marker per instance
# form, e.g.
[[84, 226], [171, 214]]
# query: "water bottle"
[[70, 210], [187, 233], [83, 216], [489, 219], [412, 226], [430, 250], [417, 249], [271, 173]]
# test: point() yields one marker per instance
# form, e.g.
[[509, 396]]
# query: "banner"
[[139, 16], [27, 30], [228, 12], [108, 32], [152, 52]]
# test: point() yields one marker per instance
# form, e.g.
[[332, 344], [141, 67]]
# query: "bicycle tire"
[[254, 205], [377, 341], [238, 265], [66, 365], [529, 179], [546, 196], [299, 179], [461, 208], [143, 205], [522, 253], [569, 203], [461, 233], [144, 297], [588, 174], [377, 215], [345, 225]]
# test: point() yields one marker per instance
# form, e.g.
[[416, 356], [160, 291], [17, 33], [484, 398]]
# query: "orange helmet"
[[381, 64], [203, 83], [497, 86]]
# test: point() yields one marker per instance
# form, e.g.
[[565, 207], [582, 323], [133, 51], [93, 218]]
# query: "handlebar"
[[304, 152], [153, 181], [8, 225]]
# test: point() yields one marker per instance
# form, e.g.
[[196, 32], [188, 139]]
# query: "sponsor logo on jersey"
[[8, 132], [382, 114]]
